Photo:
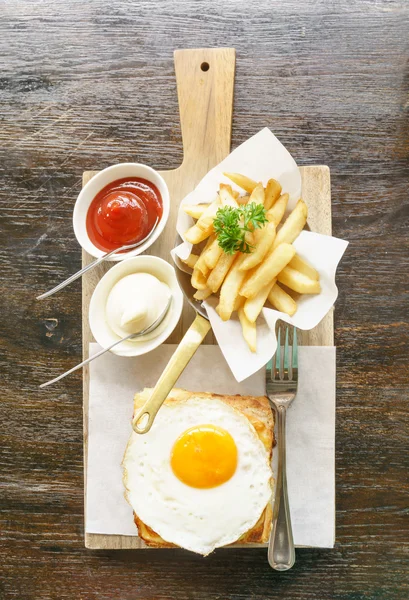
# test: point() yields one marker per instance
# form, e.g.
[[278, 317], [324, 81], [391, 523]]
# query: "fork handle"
[[281, 553]]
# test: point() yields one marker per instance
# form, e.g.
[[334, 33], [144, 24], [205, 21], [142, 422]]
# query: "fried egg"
[[201, 477]]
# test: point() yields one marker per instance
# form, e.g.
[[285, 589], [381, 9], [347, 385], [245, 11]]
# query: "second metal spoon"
[[154, 325]]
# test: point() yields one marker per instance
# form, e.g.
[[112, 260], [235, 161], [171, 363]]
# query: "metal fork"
[[281, 387]]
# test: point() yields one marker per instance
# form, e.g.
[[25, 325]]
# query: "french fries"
[[229, 290], [270, 268], [249, 330], [212, 254], [301, 265], [263, 240], [220, 271], [276, 212], [242, 181], [273, 191], [198, 280], [200, 263], [202, 294], [281, 300], [293, 225], [245, 282], [253, 306], [257, 195], [191, 260], [204, 226], [194, 210], [226, 195], [298, 281], [239, 303]]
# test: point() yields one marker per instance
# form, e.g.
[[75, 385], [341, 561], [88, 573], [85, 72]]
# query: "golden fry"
[[243, 199], [249, 330], [293, 225], [202, 294], [204, 226], [220, 271], [195, 210], [263, 240], [298, 281], [281, 300], [201, 264], [229, 290], [272, 194], [276, 212], [242, 181], [191, 260], [239, 303], [267, 270], [195, 235], [198, 280], [301, 265], [226, 196], [257, 195], [253, 306], [212, 254], [206, 220]]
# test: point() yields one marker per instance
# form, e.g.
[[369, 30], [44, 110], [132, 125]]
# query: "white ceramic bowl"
[[96, 184], [101, 331]]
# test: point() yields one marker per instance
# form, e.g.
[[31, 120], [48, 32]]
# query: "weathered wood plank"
[[86, 84]]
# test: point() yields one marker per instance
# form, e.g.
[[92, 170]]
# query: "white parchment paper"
[[262, 157], [310, 433]]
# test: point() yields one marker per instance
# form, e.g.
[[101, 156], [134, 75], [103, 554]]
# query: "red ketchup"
[[123, 212]]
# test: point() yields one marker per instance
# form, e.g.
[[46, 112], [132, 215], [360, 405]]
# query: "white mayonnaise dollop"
[[135, 302]]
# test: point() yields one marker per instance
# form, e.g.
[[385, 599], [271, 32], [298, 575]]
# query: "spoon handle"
[[62, 285], [96, 262], [191, 341], [151, 327], [85, 362]]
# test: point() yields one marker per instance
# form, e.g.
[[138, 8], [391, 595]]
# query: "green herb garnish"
[[231, 225]]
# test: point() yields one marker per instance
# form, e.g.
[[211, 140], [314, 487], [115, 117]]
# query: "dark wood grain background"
[[85, 84]]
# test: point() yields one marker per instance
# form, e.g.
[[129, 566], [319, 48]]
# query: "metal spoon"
[[131, 336], [96, 262]]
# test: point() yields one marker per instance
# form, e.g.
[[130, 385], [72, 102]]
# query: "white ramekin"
[[101, 331], [96, 184]]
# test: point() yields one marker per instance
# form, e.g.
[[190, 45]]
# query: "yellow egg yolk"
[[204, 456]]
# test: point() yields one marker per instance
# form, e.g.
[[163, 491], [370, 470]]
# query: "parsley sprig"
[[231, 225]]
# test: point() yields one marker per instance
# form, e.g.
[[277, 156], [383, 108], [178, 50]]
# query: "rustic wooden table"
[[87, 84]]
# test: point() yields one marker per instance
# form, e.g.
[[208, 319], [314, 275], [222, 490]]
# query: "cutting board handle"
[[205, 84]]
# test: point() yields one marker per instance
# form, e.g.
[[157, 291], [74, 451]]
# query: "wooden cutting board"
[[205, 83]]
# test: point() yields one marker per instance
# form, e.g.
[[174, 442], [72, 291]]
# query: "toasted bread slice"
[[258, 411]]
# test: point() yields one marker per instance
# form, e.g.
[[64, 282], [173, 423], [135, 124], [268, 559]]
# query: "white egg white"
[[199, 520]]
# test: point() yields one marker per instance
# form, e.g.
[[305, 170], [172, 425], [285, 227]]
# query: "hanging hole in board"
[[205, 66]]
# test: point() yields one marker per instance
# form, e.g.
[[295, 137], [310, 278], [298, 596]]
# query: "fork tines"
[[284, 365]]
